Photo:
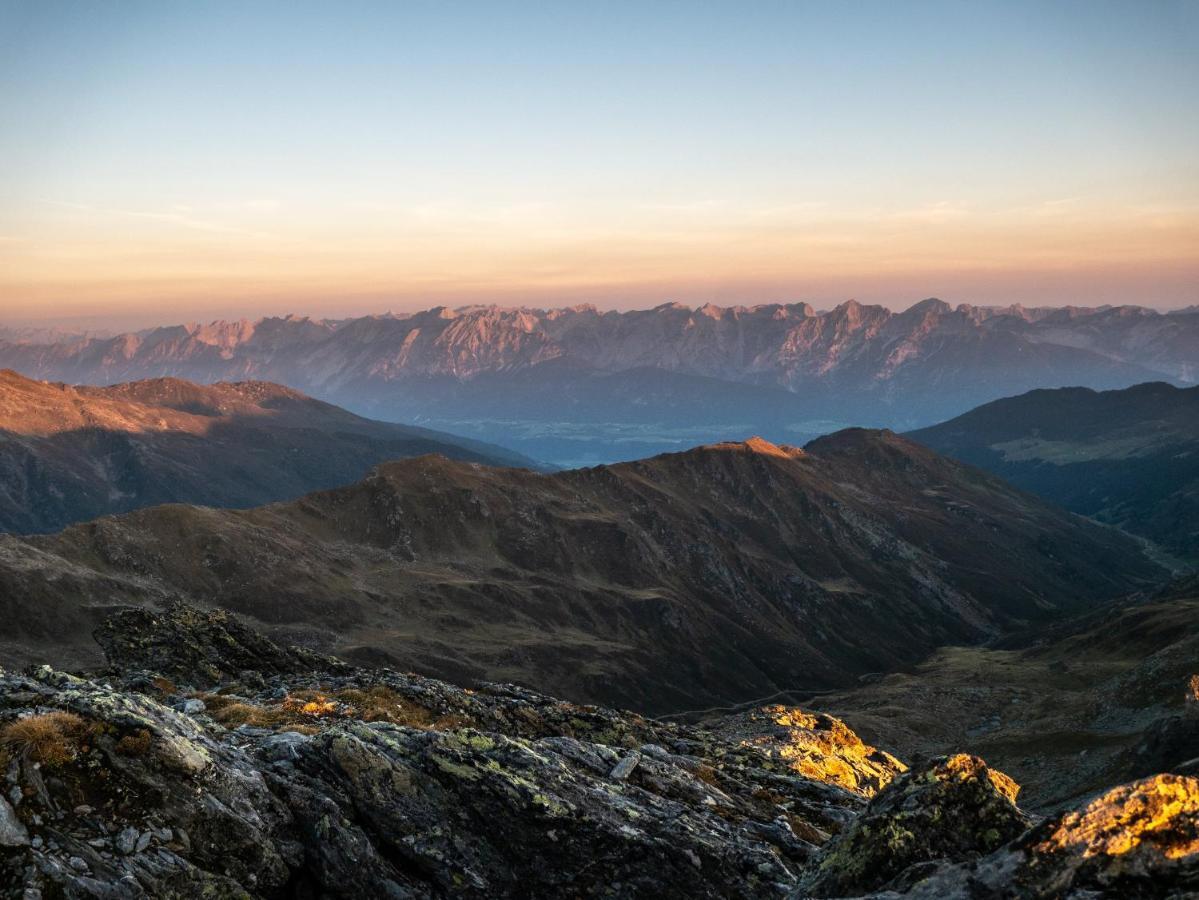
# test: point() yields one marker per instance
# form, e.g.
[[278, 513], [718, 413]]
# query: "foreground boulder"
[[1139, 840], [955, 808], [817, 745], [291, 791], [295, 781]]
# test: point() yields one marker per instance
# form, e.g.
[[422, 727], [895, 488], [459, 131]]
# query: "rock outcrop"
[[954, 808], [1138, 840], [817, 746], [302, 782], [199, 647]]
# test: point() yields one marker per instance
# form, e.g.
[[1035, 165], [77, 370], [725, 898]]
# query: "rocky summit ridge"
[[299, 776]]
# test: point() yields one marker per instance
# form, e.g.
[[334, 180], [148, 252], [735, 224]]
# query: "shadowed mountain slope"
[[726, 573], [1130, 457], [1066, 708], [74, 453]]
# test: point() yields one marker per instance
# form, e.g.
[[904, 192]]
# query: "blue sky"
[[210, 157]]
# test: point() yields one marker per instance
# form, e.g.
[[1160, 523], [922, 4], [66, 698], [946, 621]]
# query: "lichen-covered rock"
[[347, 783], [203, 815], [1134, 835], [817, 745], [12, 832], [195, 646], [487, 815], [1139, 840], [494, 792], [295, 781], [955, 808]]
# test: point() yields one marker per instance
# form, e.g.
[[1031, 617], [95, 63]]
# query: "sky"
[[162, 161]]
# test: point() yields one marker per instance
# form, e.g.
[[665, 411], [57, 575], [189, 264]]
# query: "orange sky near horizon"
[[171, 162], [86, 263]]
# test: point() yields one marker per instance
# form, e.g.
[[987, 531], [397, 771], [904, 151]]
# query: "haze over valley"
[[579, 386]]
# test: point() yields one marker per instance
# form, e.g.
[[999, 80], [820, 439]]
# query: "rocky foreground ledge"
[[210, 762]]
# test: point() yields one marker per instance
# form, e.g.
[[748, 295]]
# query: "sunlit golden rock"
[[1144, 823], [821, 747]]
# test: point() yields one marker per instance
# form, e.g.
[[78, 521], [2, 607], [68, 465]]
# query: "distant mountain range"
[[578, 385], [73, 453], [720, 575], [1127, 457]]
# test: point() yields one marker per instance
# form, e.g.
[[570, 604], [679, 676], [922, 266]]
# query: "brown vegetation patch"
[[52, 739], [304, 710], [136, 744]]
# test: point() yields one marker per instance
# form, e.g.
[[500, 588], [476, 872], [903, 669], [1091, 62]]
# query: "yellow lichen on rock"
[[962, 766], [821, 747], [1158, 815]]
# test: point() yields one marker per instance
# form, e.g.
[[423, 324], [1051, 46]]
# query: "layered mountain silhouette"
[[723, 574], [1127, 457], [73, 453], [572, 385]]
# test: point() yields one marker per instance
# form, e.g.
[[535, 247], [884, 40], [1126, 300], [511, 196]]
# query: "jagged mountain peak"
[[930, 306], [489, 367]]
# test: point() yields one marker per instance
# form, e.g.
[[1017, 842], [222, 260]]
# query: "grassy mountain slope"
[[1127, 457], [74, 453], [719, 575]]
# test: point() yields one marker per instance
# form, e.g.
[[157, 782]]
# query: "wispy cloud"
[[1056, 207], [1047, 209], [690, 206], [179, 215], [931, 214]]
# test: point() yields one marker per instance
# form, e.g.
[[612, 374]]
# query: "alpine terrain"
[[1130, 457], [578, 385], [73, 453], [723, 574]]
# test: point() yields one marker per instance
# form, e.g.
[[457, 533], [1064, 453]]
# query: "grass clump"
[[381, 704], [136, 744], [52, 739], [304, 710]]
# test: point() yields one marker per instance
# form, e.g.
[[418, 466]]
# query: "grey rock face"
[[12, 832]]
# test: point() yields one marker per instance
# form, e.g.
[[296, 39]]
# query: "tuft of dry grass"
[[232, 713], [381, 704], [52, 739], [304, 710], [136, 744]]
